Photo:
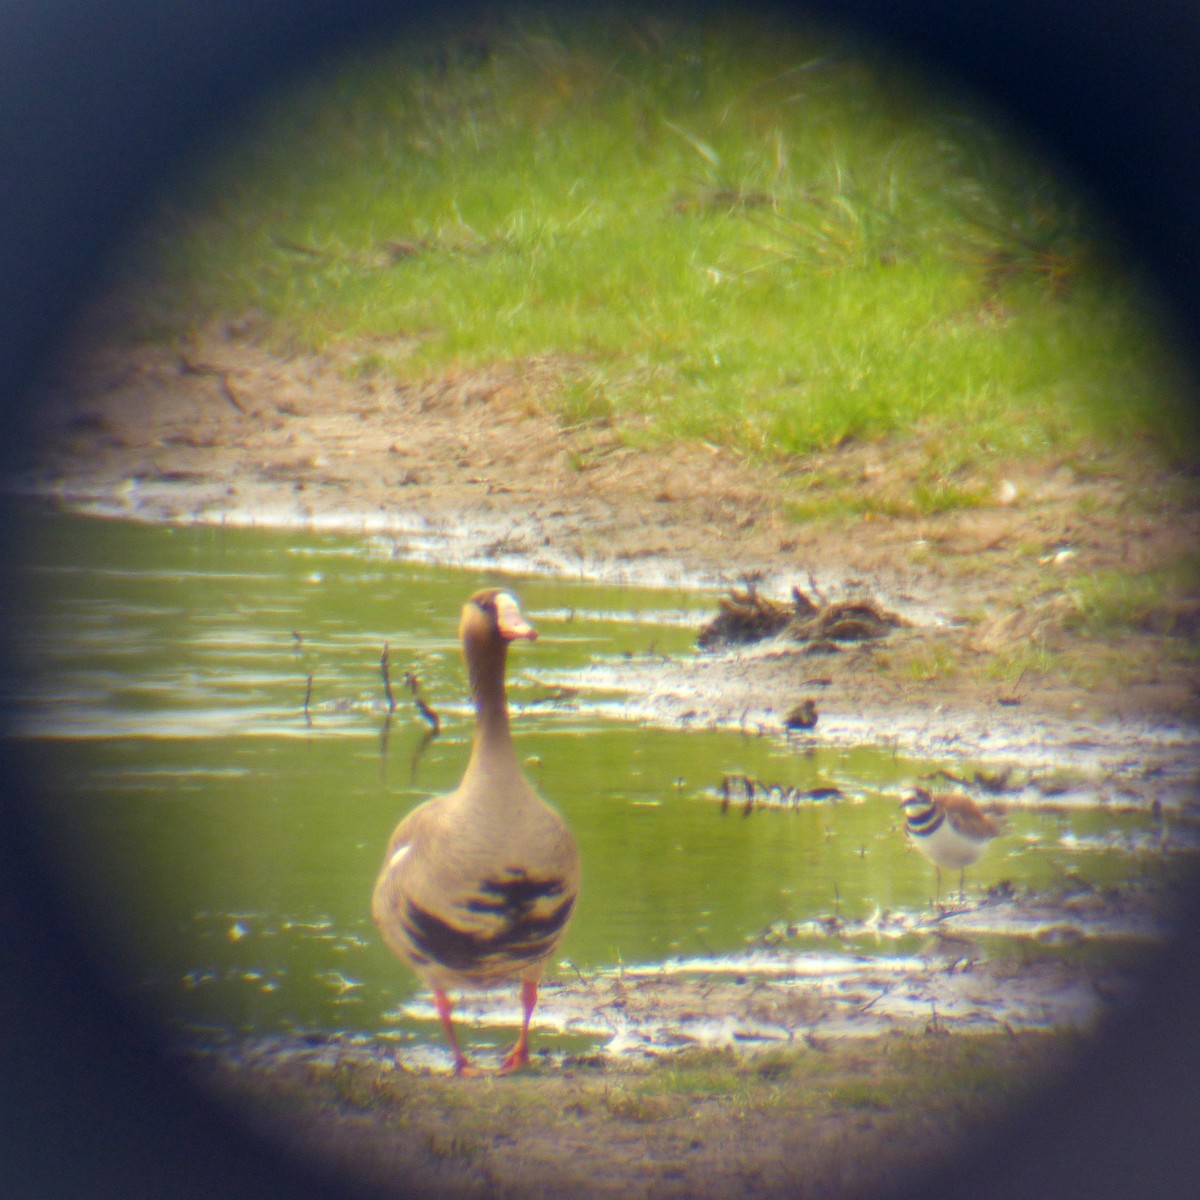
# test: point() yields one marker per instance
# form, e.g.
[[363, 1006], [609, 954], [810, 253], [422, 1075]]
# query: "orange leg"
[[441, 1002], [518, 1056]]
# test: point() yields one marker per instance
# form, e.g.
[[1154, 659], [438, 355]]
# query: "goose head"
[[493, 615], [491, 619]]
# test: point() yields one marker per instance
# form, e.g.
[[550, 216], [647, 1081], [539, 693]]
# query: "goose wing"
[[454, 898]]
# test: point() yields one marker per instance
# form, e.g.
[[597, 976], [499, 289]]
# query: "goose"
[[949, 829], [478, 885]]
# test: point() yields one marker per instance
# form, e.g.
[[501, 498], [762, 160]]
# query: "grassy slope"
[[717, 230]]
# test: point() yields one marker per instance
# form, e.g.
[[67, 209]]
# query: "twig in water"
[[936, 1026], [385, 732], [862, 1008], [414, 686], [582, 977], [307, 698], [385, 671], [419, 752]]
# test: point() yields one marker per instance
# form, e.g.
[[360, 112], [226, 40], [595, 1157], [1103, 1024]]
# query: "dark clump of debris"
[[802, 716], [746, 616], [840, 620]]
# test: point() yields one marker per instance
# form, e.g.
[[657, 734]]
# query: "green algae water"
[[207, 708]]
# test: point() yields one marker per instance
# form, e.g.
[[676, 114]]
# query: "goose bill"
[[510, 621]]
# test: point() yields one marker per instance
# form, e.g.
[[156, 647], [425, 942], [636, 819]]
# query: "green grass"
[[928, 664], [1027, 656], [1108, 602], [717, 229]]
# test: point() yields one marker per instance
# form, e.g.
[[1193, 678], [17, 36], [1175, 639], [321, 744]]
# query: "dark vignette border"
[[97, 101]]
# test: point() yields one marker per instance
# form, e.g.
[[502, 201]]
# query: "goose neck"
[[493, 737]]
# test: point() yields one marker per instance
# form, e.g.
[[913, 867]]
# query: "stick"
[[414, 686], [419, 752], [385, 733], [385, 671]]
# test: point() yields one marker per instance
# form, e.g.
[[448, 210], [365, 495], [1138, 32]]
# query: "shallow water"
[[222, 841]]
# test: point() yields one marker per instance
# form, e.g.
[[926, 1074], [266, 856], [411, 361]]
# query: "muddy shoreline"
[[470, 471]]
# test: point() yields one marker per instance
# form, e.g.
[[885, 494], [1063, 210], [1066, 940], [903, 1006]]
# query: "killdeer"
[[949, 829]]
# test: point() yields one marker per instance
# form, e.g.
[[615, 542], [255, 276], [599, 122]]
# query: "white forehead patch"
[[509, 619]]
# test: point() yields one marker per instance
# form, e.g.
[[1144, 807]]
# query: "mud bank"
[[468, 470]]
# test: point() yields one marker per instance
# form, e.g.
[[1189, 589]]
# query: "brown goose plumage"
[[478, 885]]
